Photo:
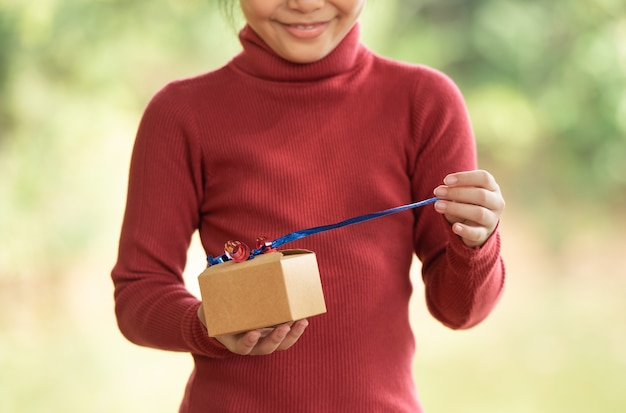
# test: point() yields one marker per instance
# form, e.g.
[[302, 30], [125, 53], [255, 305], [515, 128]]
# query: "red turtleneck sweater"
[[265, 147]]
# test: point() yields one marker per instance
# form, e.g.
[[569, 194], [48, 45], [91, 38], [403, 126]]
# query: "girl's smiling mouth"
[[305, 30]]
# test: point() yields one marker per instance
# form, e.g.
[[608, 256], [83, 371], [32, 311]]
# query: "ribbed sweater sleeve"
[[165, 185], [462, 284]]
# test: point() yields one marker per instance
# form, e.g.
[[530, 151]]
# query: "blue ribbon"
[[296, 235]]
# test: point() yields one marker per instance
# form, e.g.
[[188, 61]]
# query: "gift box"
[[273, 288]]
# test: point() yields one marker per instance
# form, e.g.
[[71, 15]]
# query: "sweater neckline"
[[259, 60]]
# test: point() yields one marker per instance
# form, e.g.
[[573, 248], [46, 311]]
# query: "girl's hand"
[[472, 203], [265, 340], [262, 341]]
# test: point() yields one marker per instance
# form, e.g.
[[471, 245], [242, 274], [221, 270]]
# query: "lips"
[[306, 30], [304, 26]]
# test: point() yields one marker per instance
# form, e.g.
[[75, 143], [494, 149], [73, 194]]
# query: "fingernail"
[[441, 191], [450, 180]]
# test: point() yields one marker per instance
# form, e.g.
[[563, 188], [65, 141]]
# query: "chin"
[[305, 58]]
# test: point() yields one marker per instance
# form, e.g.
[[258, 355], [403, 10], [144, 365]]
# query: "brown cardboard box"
[[272, 288]]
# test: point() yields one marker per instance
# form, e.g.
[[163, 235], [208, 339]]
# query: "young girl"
[[307, 127]]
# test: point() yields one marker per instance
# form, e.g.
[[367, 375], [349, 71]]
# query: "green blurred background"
[[545, 84]]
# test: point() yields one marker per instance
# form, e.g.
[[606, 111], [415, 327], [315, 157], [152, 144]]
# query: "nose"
[[305, 6]]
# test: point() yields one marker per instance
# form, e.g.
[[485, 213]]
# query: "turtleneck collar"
[[259, 60]]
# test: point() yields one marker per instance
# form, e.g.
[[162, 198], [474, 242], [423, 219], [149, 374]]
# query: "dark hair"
[[231, 13], [229, 10]]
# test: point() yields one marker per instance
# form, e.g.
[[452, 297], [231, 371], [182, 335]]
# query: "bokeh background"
[[545, 83]]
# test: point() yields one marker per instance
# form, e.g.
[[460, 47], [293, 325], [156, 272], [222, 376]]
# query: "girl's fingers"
[[472, 236], [462, 212], [297, 329], [265, 340], [281, 338], [472, 196], [272, 341], [479, 179], [241, 344], [472, 203], [477, 188]]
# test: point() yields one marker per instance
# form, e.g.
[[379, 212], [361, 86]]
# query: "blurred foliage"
[[545, 83]]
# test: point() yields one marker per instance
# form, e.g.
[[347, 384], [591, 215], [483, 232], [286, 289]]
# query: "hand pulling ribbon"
[[239, 252]]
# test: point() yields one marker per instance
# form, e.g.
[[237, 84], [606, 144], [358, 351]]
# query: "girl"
[[305, 127]]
